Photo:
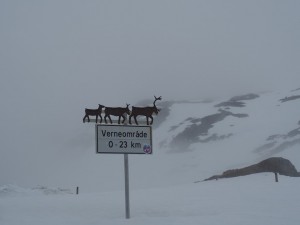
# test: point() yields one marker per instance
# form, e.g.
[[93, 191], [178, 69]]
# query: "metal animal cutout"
[[144, 111], [93, 112], [118, 111]]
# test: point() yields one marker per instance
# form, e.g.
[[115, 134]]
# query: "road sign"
[[123, 139]]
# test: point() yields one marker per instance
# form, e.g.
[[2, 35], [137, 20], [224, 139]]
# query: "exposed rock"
[[297, 89], [280, 142], [231, 104], [274, 165], [265, 147], [244, 97], [200, 127], [289, 98], [284, 145], [215, 137], [294, 133], [237, 101]]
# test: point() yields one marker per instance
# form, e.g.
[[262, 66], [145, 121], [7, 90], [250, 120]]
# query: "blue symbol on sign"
[[147, 149]]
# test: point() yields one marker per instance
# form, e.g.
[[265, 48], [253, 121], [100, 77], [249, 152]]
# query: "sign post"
[[126, 170], [124, 139]]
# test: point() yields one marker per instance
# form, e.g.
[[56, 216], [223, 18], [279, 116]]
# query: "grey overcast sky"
[[58, 57]]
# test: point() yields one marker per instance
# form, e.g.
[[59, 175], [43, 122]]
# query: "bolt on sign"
[[123, 139]]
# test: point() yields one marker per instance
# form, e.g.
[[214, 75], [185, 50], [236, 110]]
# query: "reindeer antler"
[[159, 98]]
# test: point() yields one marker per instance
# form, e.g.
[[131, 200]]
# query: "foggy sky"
[[58, 57]]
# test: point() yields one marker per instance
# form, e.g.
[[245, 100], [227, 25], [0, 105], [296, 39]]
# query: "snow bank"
[[11, 190], [255, 199]]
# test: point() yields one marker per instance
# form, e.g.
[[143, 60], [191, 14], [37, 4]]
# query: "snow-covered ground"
[[162, 188], [255, 199]]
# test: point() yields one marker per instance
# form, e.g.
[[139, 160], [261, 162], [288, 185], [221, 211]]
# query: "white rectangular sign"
[[123, 139]]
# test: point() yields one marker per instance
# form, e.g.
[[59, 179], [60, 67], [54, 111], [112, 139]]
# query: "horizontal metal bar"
[[116, 121]]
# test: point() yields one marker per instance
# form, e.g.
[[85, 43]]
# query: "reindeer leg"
[[96, 118], [100, 118], [84, 118], [105, 118], [135, 120], [151, 120], [109, 119], [88, 118], [130, 119], [147, 120], [123, 119], [119, 120]]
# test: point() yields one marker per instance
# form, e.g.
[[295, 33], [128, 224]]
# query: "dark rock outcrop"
[[290, 98], [274, 165], [237, 101], [200, 127]]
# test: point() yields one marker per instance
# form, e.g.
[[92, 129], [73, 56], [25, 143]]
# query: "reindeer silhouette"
[[93, 112], [118, 111], [144, 111]]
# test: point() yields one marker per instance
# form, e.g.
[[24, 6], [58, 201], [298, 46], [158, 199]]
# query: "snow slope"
[[198, 139], [192, 141]]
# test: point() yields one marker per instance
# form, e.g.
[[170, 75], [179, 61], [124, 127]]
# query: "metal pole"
[[127, 205], [126, 170], [276, 177]]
